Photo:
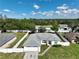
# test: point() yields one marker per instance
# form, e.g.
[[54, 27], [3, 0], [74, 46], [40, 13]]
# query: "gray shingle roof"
[[32, 41], [71, 36], [35, 39], [5, 37], [48, 36]]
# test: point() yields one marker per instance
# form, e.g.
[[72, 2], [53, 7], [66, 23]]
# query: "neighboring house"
[[76, 29], [5, 37], [72, 37], [15, 31], [47, 28], [35, 41], [64, 28]]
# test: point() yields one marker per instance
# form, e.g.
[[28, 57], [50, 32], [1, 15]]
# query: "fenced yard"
[[70, 52], [13, 55]]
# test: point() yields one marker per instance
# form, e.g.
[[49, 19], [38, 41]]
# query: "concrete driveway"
[[31, 55]]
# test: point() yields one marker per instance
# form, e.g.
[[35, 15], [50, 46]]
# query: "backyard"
[[13, 55], [19, 36], [70, 52]]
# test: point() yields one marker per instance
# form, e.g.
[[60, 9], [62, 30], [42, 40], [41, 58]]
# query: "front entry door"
[[50, 42]]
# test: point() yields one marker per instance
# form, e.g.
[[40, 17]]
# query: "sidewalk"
[[19, 42], [45, 51]]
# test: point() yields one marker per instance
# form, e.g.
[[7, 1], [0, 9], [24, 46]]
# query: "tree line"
[[24, 24]]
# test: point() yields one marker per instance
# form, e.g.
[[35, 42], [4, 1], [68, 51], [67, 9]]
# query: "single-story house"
[[46, 27], [35, 41], [72, 37], [64, 28]]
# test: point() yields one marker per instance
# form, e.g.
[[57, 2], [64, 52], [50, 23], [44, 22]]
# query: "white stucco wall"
[[18, 50], [11, 50], [42, 43], [14, 31], [64, 43], [32, 49], [62, 29], [61, 43], [52, 43], [73, 41]]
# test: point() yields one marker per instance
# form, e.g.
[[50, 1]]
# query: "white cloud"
[[34, 13], [45, 13], [67, 12], [75, 10], [36, 6], [58, 12], [63, 11], [7, 10], [63, 7], [24, 14]]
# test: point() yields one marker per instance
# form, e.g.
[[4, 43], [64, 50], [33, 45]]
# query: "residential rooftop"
[[72, 36], [36, 38], [5, 37]]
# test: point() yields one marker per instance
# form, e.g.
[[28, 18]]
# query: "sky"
[[45, 9]]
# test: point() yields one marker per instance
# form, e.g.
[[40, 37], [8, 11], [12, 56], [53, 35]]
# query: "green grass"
[[71, 52], [19, 36], [43, 47], [61, 33], [21, 45], [13, 55]]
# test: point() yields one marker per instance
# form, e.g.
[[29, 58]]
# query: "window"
[[65, 28], [49, 42], [44, 41], [55, 42]]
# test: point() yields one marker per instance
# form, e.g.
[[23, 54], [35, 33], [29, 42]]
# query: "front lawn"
[[43, 47], [11, 56], [70, 52]]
